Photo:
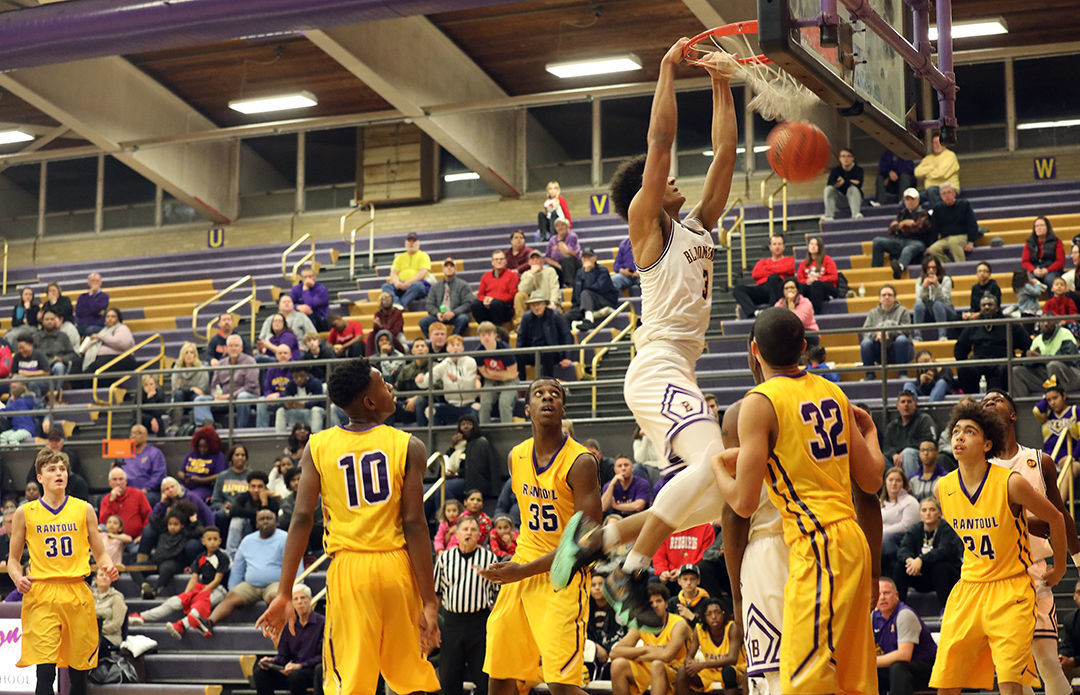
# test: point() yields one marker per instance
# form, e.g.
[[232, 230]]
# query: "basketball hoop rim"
[[749, 26]]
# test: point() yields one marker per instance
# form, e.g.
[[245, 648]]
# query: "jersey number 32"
[[828, 424]]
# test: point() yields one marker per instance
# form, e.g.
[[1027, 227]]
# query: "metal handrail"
[[3, 290], [627, 307], [352, 235], [309, 256], [768, 199], [737, 227], [130, 351], [249, 299], [114, 388], [1066, 465]]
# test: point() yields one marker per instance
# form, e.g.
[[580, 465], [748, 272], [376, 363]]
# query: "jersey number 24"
[[372, 482]]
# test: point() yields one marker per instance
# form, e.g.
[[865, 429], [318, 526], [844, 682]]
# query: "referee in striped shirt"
[[465, 599]]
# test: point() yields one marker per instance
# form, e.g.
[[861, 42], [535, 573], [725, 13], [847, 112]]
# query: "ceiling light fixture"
[[8, 137], [740, 150], [1036, 125], [980, 27], [277, 102], [596, 66], [462, 176]]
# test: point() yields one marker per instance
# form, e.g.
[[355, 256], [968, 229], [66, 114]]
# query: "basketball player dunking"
[[675, 262]]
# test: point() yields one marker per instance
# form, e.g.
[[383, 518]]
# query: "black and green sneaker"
[[628, 595], [578, 547]]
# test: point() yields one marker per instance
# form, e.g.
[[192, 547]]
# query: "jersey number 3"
[[373, 481], [828, 424]]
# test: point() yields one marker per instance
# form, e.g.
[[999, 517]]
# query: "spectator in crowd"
[[276, 481], [933, 297], [457, 376], [817, 274], [106, 344], [57, 303], [625, 269], [715, 656], [279, 335], [1059, 303], [229, 485], [449, 301], [654, 665], [605, 465], [346, 338], [288, 506], [936, 169], [387, 318], [477, 465], [844, 184], [906, 649], [564, 253], [274, 381], [295, 321], [517, 256], [539, 277], [503, 538], [909, 235], [769, 275], [900, 443], [152, 405], [882, 330], [171, 493], [180, 526], [408, 281], [931, 381], [22, 427], [465, 601], [246, 508], [446, 535], [226, 384], [188, 381], [1029, 292], [1044, 254], [215, 349], [953, 224], [411, 381], [496, 371], [987, 342], [923, 481], [311, 413], [255, 569], [146, 469], [816, 360], [474, 508], [1069, 647], [625, 493], [682, 548], [109, 609], [802, 307], [542, 327], [1051, 340], [128, 503], [115, 539], [54, 344], [30, 362], [594, 295], [689, 601], [384, 346], [1070, 274], [930, 555], [91, 306], [495, 296], [894, 175], [316, 349], [983, 284], [298, 439], [507, 504], [644, 453], [899, 510], [25, 316], [437, 336], [555, 209], [1059, 419], [603, 628], [203, 463], [299, 651], [312, 299], [77, 485]]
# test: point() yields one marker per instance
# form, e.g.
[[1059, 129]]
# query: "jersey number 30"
[[828, 425], [542, 517], [58, 546], [373, 481]]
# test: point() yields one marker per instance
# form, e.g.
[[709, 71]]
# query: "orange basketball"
[[798, 151]]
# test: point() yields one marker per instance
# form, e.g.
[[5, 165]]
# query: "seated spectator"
[[537, 278], [503, 538], [22, 427], [474, 509], [279, 335], [817, 274], [1059, 303], [564, 253], [625, 269], [312, 299], [475, 462], [110, 610], [645, 455], [411, 382], [883, 322], [983, 284], [298, 439], [987, 342], [496, 372], [29, 362], [311, 413], [152, 400], [274, 381], [180, 525], [603, 628], [106, 344], [128, 503], [594, 296], [507, 504], [517, 256], [230, 384], [923, 481], [932, 381], [936, 169], [495, 296], [816, 360], [457, 376], [437, 336], [56, 302], [689, 602], [384, 347], [930, 555], [276, 481], [1059, 419], [953, 225], [446, 535], [449, 301], [54, 345], [605, 464], [682, 548], [299, 651], [1029, 292], [346, 337], [1044, 254], [255, 569], [906, 649], [246, 507], [188, 381], [316, 349], [215, 349], [802, 307], [203, 463], [769, 275], [909, 235], [295, 321], [542, 327], [146, 470], [900, 441], [91, 306], [626, 493], [1069, 649], [715, 656], [894, 175], [1070, 275], [387, 318], [555, 209], [25, 316], [844, 185], [636, 669], [899, 510], [1051, 340], [933, 297], [229, 485], [171, 493], [408, 281]]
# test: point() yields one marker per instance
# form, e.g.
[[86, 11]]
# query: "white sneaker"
[[857, 216], [826, 218]]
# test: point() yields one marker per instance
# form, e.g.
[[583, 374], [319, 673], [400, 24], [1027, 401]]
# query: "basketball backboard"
[[861, 75]]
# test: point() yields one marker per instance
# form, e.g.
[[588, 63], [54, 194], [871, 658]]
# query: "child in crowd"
[[1059, 302], [115, 539], [204, 590], [504, 537], [1028, 293], [169, 551], [22, 426], [815, 358], [389, 367], [474, 507], [1059, 420], [446, 536]]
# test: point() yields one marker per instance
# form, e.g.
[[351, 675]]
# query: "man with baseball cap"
[[909, 235], [538, 277], [594, 294], [408, 275], [690, 595], [448, 301], [541, 326]]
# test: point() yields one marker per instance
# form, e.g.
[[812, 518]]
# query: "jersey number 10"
[[373, 482]]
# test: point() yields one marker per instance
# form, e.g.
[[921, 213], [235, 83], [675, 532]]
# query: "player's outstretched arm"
[[16, 546], [417, 542], [724, 134], [865, 457], [1022, 493], [280, 611], [757, 433], [734, 529], [97, 545]]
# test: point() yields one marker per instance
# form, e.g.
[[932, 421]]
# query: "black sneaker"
[[628, 596], [578, 547], [897, 269]]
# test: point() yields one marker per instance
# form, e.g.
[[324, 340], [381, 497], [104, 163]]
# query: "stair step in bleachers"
[[155, 689]]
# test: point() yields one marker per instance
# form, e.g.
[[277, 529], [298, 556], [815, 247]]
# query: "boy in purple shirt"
[[626, 493], [564, 253], [626, 274]]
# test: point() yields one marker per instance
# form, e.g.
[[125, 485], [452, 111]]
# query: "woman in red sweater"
[[1044, 254], [817, 274]]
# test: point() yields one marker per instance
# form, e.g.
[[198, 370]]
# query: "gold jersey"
[[544, 496], [664, 637], [808, 477], [361, 473], [711, 651], [58, 539], [995, 537]]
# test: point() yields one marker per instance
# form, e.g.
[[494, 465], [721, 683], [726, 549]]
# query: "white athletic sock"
[[1046, 659], [636, 561], [610, 536]]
